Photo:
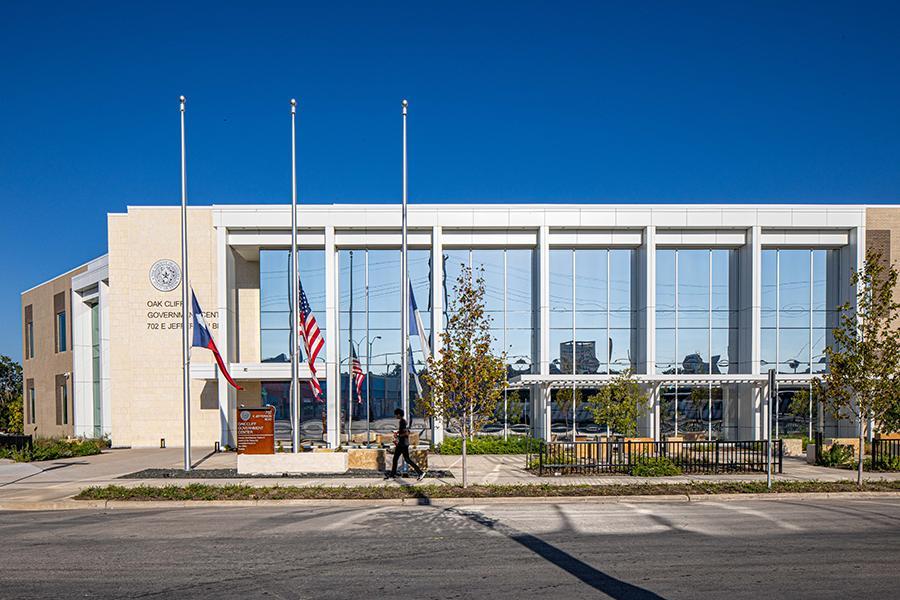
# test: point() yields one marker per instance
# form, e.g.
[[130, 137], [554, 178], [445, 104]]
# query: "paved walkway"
[[56, 480]]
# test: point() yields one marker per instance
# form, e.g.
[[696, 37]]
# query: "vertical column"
[[227, 328], [649, 299], [437, 310], [332, 348], [750, 321], [105, 396], [82, 373], [542, 399], [657, 422], [540, 410], [646, 314]]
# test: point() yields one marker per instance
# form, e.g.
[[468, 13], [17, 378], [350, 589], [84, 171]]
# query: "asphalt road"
[[740, 549]]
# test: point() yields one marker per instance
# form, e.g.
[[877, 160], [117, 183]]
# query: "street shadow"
[[43, 470], [203, 459], [64, 465], [422, 499], [600, 581]]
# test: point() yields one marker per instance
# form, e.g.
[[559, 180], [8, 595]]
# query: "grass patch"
[[486, 444], [52, 449], [200, 491]]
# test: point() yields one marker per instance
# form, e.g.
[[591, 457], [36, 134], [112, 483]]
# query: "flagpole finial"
[[181, 99], [293, 105], [405, 105]]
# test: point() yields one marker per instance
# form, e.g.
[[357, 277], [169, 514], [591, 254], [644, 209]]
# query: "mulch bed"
[[233, 474]]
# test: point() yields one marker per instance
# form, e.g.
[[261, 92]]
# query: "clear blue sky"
[[633, 102]]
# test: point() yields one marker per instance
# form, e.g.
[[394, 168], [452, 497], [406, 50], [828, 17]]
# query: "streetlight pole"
[[770, 393]]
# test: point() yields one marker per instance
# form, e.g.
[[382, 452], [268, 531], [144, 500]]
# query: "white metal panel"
[[805, 238], [669, 217], [632, 217], [700, 237], [591, 217], [704, 218], [773, 217], [596, 237]]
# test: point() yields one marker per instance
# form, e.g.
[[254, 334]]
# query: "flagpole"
[[350, 376], [185, 303], [295, 318], [404, 290], [368, 359]]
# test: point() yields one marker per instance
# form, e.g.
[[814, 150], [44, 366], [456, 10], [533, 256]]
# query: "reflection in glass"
[[700, 336], [591, 311], [796, 313], [275, 303], [700, 412], [372, 330]]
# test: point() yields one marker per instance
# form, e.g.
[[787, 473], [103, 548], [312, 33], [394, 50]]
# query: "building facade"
[[697, 301], [47, 357]]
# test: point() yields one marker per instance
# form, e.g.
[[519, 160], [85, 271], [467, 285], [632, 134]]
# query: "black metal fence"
[[885, 450], [19, 442], [621, 456]]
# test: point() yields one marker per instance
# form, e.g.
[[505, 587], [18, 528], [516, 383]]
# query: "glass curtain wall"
[[370, 312], [796, 316], [697, 334], [275, 333], [591, 326], [798, 313], [508, 278]]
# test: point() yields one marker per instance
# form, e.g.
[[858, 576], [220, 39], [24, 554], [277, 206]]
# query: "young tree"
[[863, 377], [619, 404], [799, 405], [465, 382], [515, 407], [564, 403], [11, 406]]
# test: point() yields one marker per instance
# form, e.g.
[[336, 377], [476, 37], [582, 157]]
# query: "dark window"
[[59, 325], [29, 332], [62, 400], [61, 331], [31, 401]]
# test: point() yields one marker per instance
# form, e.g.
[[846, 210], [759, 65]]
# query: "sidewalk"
[[59, 480]]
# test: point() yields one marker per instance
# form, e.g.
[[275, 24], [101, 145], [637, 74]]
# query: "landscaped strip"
[[201, 491]]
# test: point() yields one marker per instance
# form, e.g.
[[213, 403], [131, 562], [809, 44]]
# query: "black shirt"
[[402, 434]]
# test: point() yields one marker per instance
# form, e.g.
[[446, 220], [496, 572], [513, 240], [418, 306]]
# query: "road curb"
[[437, 502]]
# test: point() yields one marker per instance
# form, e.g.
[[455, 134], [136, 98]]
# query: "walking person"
[[401, 448]]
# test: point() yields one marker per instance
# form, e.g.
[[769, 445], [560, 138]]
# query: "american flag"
[[357, 373], [312, 340]]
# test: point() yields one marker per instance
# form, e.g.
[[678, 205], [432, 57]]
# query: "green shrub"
[[490, 445], [52, 449], [654, 466], [839, 455], [888, 463]]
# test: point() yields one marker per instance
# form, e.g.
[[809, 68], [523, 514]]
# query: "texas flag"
[[203, 338]]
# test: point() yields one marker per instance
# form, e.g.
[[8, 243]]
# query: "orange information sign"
[[256, 430]]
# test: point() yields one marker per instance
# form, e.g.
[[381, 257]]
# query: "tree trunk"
[[861, 453], [465, 474]]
